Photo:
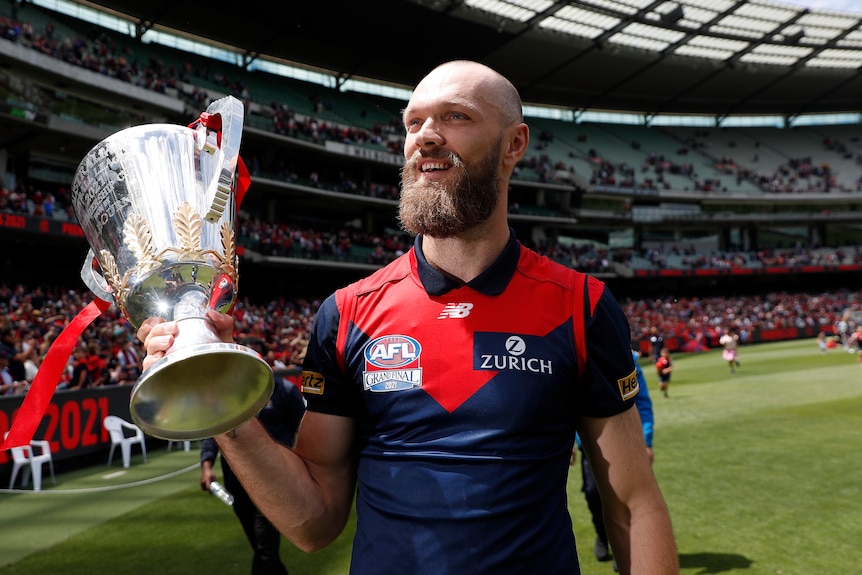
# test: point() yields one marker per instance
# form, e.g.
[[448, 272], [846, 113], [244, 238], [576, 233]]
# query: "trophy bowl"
[[157, 204]]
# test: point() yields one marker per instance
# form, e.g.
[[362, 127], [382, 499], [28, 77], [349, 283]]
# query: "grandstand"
[[325, 158]]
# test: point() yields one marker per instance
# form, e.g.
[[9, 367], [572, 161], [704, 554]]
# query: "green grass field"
[[762, 471]]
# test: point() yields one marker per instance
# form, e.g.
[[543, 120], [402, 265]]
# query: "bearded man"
[[445, 390]]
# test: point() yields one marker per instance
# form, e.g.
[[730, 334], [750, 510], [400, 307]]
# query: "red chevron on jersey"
[[455, 388]]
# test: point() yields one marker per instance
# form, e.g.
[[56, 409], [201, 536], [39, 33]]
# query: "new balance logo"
[[455, 310]]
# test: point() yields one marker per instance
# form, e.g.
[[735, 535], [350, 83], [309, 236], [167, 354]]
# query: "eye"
[[411, 124]]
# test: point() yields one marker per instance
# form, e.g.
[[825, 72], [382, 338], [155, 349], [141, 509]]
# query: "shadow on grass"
[[713, 562]]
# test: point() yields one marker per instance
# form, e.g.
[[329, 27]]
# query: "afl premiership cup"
[[157, 204]]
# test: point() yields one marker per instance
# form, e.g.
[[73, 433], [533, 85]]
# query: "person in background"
[[128, 362], [285, 405], [821, 342], [664, 367], [21, 347], [446, 417], [643, 402], [656, 342], [729, 340], [81, 377], [8, 384]]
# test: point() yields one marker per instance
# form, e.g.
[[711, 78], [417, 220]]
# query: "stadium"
[[701, 157]]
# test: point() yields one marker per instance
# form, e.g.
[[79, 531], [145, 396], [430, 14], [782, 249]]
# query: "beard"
[[447, 209]]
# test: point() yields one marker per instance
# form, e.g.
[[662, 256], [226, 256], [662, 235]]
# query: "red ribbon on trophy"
[[39, 396]]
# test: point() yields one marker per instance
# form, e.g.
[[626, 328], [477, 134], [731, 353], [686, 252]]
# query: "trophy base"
[[201, 391]]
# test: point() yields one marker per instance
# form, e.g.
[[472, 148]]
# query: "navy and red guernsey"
[[466, 398]]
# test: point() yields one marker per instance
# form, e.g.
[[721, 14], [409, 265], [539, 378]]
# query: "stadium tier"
[[648, 208]]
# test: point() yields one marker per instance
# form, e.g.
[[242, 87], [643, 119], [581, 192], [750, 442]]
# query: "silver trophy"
[[157, 205]]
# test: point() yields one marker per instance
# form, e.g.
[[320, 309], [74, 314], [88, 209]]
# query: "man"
[[445, 390], [264, 538], [8, 384], [664, 368], [20, 351], [656, 342]]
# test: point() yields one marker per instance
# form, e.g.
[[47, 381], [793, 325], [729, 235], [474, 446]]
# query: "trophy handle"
[[91, 273], [231, 111]]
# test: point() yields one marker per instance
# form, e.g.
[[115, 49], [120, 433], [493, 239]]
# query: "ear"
[[518, 142]]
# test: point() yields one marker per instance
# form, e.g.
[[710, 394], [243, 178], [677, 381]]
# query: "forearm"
[[308, 509], [635, 513], [643, 540]]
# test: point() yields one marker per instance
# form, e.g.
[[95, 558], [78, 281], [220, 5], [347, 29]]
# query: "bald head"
[[477, 79]]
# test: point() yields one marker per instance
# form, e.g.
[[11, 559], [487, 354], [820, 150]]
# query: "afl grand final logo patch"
[[392, 364]]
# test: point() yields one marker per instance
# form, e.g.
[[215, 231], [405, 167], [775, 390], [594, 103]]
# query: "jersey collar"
[[492, 281]]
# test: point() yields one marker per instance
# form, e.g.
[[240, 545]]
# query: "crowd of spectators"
[[297, 239], [796, 175], [97, 51], [286, 122], [300, 239], [661, 255], [109, 353], [705, 318]]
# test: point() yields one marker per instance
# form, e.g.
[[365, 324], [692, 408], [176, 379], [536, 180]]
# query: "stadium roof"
[[715, 57]]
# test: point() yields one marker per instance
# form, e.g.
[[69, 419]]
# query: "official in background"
[[281, 418], [591, 491]]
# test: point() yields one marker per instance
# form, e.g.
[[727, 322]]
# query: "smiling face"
[[442, 197], [460, 122]]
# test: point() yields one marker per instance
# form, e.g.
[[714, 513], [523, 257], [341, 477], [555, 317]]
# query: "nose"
[[428, 134]]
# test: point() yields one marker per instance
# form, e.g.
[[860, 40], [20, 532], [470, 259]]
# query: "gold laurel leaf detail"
[[227, 241], [189, 226], [110, 270], [139, 238]]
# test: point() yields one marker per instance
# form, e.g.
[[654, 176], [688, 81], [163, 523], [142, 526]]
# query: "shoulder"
[[543, 268], [395, 271]]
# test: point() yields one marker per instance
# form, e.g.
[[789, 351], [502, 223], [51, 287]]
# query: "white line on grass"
[[108, 487]]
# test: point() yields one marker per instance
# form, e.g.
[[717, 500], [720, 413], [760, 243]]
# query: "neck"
[[468, 255]]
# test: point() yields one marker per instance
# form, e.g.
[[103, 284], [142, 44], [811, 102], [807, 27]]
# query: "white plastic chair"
[[118, 428], [25, 457], [187, 445]]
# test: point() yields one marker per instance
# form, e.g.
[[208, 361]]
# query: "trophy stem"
[[203, 386], [194, 327]]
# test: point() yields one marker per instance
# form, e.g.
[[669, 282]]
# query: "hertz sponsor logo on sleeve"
[[629, 386], [312, 382]]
